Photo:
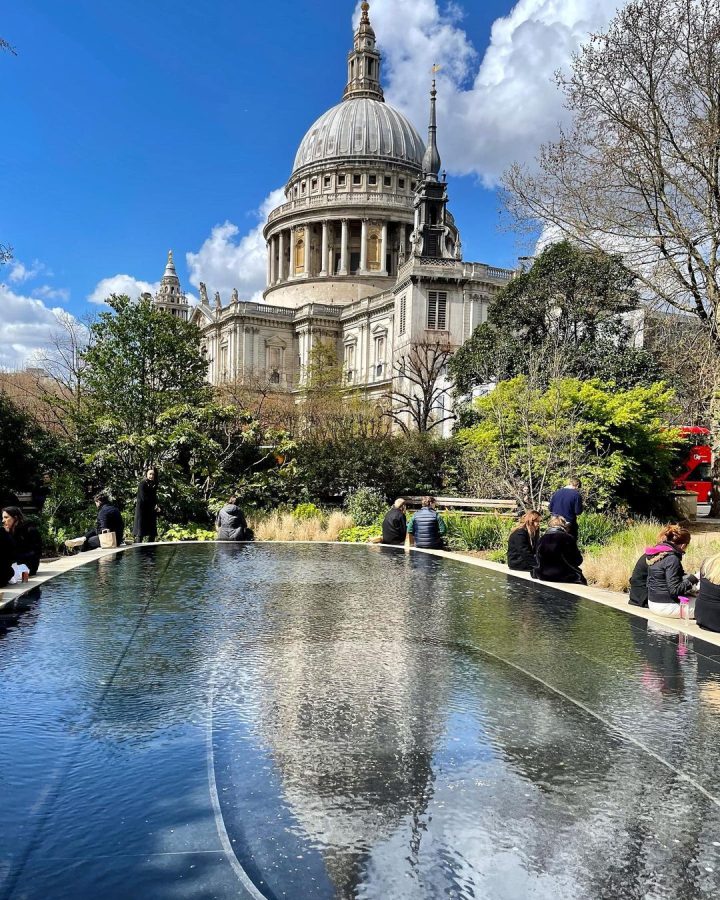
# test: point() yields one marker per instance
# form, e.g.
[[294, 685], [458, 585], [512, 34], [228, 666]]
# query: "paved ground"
[[608, 598]]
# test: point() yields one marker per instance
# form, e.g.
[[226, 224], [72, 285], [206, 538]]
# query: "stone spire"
[[364, 62], [170, 296], [431, 160]]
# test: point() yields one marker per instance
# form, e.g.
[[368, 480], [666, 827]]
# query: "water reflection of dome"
[[361, 127]]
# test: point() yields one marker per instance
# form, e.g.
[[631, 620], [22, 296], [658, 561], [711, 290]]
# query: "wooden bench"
[[471, 506]]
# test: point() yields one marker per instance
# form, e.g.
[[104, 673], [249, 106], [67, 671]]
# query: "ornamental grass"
[[284, 526]]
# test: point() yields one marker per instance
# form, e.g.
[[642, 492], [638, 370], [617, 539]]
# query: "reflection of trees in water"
[[352, 706]]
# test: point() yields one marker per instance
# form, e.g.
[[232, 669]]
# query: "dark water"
[[322, 721]]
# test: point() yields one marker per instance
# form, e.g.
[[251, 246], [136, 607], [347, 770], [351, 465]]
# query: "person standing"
[[567, 502], [231, 523], [28, 543], [523, 542], [427, 527], [394, 526], [146, 508]]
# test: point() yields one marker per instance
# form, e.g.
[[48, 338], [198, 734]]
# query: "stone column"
[[269, 279], [363, 246], [272, 267], [291, 273], [324, 262], [281, 257], [307, 269], [384, 249], [344, 248]]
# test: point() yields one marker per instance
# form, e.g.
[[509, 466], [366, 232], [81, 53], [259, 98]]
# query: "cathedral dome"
[[361, 127]]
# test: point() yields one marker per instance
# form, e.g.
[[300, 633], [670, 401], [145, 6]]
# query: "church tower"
[[170, 296], [434, 237]]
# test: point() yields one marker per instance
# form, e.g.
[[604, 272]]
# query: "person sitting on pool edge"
[[426, 527], [523, 541], [28, 543], [707, 605], [666, 578], [109, 518], [558, 556], [567, 502], [394, 526], [231, 523]]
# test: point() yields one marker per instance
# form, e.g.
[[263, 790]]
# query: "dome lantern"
[[364, 62]]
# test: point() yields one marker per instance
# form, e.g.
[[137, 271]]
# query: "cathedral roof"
[[361, 127]]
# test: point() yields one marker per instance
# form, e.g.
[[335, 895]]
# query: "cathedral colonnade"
[[337, 247]]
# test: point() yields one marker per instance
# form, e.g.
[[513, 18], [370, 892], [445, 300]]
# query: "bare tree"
[[59, 370], [639, 170], [416, 399]]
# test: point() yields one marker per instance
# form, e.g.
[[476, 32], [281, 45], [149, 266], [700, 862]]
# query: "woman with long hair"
[[146, 507], [26, 538], [666, 578], [523, 541]]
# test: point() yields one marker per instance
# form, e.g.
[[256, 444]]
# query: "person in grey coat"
[[231, 523]]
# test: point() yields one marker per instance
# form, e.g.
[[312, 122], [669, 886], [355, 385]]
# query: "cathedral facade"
[[363, 254]]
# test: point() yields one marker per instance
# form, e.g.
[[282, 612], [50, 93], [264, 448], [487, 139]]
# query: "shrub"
[[498, 556], [365, 505], [596, 528], [359, 534], [307, 511], [477, 532], [190, 532]]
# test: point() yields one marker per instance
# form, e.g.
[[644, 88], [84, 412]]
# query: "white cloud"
[[27, 326], [20, 273], [493, 110], [226, 261], [122, 284], [47, 292]]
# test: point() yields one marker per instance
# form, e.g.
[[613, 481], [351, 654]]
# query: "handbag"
[[108, 539]]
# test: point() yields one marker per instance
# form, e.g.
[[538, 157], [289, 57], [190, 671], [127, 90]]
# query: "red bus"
[[696, 474]]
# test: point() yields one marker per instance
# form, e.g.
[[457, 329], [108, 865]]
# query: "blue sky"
[[132, 127]]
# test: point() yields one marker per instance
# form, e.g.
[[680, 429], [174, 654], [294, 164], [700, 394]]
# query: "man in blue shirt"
[[567, 502]]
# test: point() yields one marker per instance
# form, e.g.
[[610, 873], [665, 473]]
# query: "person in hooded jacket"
[[707, 605], [146, 508], [231, 523], [394, 526], [523, 541], [558, 556], [666, 578]]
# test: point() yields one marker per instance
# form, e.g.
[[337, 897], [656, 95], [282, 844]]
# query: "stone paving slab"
[[48, 570]]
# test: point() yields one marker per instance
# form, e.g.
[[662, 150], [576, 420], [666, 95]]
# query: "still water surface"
[[320, 722]]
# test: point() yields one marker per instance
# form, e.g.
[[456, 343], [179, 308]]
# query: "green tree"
[[141, 362], [571, 309], [528, 437]]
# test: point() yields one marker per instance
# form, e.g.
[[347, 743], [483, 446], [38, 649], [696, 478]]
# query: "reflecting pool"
[[323, 721]]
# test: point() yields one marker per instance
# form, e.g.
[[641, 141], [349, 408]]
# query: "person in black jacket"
[[394, 526], [109, 518], [146, 508], [28, 543], [523, 541], [666, 580], [707, 605], [7, 557], [638, 584], [558, 557]]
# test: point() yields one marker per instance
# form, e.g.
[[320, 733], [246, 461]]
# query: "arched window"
[[300, 255]]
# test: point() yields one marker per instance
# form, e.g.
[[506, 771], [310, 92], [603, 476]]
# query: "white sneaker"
[[74, 543]]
